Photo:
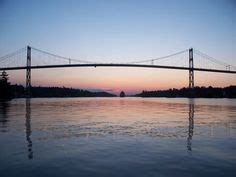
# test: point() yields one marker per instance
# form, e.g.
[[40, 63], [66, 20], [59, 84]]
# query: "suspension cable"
[[3, 58], [160, 58], [61, 57]]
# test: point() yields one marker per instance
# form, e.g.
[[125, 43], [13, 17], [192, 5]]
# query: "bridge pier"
[[191, 71], [28, 73]]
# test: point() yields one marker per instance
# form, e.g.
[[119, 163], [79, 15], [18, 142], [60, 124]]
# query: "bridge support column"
[[28, 73], [191, 72]]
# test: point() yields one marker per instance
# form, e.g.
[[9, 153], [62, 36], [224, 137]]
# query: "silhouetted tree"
[[5, 92]]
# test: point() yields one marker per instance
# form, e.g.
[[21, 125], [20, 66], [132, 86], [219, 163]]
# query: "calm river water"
[[118, 137]]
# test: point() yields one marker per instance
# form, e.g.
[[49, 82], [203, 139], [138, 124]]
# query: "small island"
[[122, 94]]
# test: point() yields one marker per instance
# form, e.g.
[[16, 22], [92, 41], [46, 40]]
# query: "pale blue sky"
[[116, 31], [119, 29]]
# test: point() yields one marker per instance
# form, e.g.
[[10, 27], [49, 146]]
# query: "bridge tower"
[[191, 72], [28, 73]]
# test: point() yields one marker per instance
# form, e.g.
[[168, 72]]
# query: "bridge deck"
[[118, 65]]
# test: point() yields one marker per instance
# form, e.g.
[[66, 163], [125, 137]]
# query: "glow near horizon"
[[116, 31]]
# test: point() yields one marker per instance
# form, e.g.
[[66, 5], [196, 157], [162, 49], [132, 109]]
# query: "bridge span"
[[205, 65], [116, 65]]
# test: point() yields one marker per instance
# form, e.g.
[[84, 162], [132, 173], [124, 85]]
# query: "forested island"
[[9, 91], [197, 92], [18, 91]]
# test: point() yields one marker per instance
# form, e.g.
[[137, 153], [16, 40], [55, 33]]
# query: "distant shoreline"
[[2, 100], [18, 91], [196, 92]]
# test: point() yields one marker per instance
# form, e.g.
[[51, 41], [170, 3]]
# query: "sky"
[[120, 31]]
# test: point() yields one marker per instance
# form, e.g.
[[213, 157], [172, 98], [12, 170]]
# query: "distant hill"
[[197, 92], [18, 91]]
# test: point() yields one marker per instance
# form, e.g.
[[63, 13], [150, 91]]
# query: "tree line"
[[9, 91], [197, 92]]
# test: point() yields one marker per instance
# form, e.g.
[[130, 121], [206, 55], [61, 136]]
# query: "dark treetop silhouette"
[[5, 92]]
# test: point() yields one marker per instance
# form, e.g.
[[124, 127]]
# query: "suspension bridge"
[[190, 60]]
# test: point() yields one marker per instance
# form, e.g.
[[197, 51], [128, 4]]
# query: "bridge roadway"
[[116, 65]]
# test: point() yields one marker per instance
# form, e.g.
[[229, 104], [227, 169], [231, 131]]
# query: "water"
[[118, 137]]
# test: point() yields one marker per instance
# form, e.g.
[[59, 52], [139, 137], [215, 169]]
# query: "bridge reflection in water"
[[28, 130], [191, 125]]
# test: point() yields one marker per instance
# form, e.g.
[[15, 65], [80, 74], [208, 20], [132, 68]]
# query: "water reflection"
[[4, 107], [191, 125], [165, 137], [28, 128]]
